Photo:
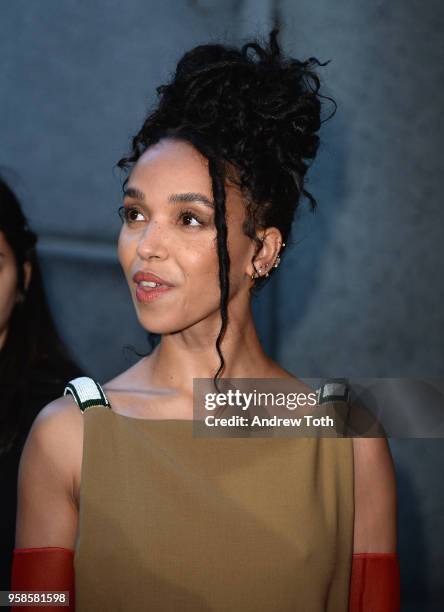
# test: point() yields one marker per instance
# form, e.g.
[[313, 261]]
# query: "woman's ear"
[[267, 256], [27, 273]]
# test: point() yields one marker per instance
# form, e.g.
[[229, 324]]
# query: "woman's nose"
[[152, 242]]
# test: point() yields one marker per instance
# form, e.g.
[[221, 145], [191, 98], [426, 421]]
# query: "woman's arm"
[[375, 578], [47, 511]]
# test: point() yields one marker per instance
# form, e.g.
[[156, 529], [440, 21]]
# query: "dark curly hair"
[[255, 119]]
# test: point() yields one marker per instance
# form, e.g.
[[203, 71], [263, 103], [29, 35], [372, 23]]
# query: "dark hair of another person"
[[254, 118], [32, 343]]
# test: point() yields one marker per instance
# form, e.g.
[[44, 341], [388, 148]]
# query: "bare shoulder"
[[61, 420], [375, 496], [56, 440]]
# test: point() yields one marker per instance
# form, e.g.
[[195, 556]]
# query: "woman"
[[160, 520], [33, 361]]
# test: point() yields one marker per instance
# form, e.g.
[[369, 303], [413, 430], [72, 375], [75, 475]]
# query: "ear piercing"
[[275, 265]]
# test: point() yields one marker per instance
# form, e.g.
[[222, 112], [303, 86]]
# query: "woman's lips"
[[150, 286], [146, 294], [146, 276]]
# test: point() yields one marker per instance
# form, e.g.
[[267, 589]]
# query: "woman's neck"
[[192, 354]]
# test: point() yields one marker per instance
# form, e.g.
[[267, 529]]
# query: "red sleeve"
[[43, 569], [375, 583]]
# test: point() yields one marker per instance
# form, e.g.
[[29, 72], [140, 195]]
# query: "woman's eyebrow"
[[132, 192], [191, 196]]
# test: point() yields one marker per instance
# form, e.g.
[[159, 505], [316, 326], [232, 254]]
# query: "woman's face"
[[169, 231], [8, 285]]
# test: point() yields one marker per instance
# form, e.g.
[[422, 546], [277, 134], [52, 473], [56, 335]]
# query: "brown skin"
[[9, 292], [160, 239]]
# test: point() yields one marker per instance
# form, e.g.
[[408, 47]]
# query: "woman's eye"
[[130, 215], [188, 216]]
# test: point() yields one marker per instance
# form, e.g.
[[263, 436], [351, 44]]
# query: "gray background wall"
[[360, 290]]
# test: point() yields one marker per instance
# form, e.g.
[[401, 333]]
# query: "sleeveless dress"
[[171, 522]]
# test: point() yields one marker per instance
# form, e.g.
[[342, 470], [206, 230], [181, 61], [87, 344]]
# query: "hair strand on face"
[[217, 173]]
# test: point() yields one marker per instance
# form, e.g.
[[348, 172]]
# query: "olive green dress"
[[172, 522]]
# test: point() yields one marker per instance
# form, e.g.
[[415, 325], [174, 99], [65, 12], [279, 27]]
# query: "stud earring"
[[255, 274], [278, 259]]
